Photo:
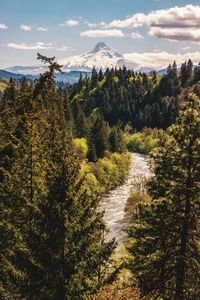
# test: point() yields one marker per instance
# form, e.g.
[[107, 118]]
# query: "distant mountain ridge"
[[101, 57]]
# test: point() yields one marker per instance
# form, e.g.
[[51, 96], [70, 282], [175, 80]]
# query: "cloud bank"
[[176, 23], [160, 60]]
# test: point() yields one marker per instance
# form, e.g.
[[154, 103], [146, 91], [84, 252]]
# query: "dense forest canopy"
[[60, 148], [123, 96]]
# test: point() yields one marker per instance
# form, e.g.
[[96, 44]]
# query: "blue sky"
[[71, 27]]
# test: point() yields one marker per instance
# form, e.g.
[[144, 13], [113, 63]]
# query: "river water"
[[114, 203]]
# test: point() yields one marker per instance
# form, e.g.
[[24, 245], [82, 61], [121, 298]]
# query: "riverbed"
[[114, 203]]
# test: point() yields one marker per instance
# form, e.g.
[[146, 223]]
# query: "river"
[[114, 203]]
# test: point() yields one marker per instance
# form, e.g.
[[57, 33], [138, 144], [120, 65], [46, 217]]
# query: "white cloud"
[[176, 23], [35, 46], [135, 21], [136, 36], [64, 48], [160, 60], [26, 27], [3, 26], [176, 34], [70, 23], [89, 24], [175, 17], [103, 33], [38, 46], [42, 28]]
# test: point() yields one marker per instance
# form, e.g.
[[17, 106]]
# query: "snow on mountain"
[[101, 57], [31, 70]]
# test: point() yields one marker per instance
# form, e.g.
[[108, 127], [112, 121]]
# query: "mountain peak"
[[101, 57], [99, 46]]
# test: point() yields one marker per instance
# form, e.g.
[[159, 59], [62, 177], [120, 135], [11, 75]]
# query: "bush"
[[106, 173], [91, 185], [142, 142], [81, 147]]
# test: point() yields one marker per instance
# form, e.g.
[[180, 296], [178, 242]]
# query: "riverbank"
[[106, 174]]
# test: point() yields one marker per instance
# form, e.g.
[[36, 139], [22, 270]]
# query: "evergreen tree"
[[186, 73], [52, 243], [92, 155], [10, 205], [166, 239], [80, 122], [116, 140], [196, 74], [94, 77], [184, 78], [99, 137], [189, 70]]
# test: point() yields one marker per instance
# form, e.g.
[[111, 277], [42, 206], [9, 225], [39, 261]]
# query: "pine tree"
[[57, 248], [166, 246], [189, 70], [116, 140], [99, 137], [94, 77], [80, 122], [92, 155], [196, 74], [184, 78], [186, 73], [10, 206]]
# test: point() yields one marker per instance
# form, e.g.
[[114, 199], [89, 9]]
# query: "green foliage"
[[2, 86], [116, 140], [142, 142], [52, 237], [91, 185], [165, 237], [107, 172], [133, 202], [79, 121], [81, 147], [98, 139], [122, 96]]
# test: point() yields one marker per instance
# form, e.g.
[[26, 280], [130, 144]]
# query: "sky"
[[153, 32]]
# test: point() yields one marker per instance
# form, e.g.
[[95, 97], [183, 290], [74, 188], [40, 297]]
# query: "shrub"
[[106, 173], [81, 147], [142, 142]]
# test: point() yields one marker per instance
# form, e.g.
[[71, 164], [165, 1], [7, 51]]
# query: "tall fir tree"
[[166, 235], [53, 245]]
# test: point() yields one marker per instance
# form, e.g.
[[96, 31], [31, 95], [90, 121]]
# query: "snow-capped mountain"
[[29, 70], [101, 57]]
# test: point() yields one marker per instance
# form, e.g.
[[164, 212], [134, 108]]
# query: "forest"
[[62, 149]]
